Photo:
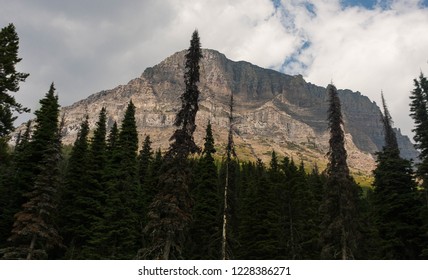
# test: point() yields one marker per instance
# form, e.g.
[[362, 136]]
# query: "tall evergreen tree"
[[257, 228], [300, 217], [144, 160], [123, 190], [76, 205], [95, 190], [395, 202], [34, 229], [339, 208], [170, 211], [9, 80], [205, 230], [183, 143], [112, 139], [14, 177], [101, 171], [419, 113]]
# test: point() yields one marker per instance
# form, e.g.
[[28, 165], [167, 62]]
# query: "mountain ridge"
[[273, 111]]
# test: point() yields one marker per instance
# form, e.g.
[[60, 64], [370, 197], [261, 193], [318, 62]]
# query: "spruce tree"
[[170, 211], [121, 216], [299, 213], [339, 227], [9, 80], [101, 154], [14, 184], [34, 229], [96, 187], [258, 228], [112, 140], [419, 113], [144, 160], [395, 202], [183, 143], [76, 205], [205, 230]]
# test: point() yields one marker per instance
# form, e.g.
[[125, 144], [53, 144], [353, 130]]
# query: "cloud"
[[87, 46], [364, 50]]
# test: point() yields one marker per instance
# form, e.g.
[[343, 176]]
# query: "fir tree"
[[205, 231], [170, 211], [121, 212], [34, 229], [395, 203], [257, 228], [96, 187], [339, 208], [76, 205], [9, 80], [112, 139], [14, 184], [144, 160], [419, 113], [183, 143]]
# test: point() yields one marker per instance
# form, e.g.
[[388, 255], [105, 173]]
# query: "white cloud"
[[365, 50]]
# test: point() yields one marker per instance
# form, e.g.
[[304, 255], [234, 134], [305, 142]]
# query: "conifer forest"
[[105, 197]]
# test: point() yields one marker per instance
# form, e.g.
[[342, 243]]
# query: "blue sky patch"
[[370, 4]]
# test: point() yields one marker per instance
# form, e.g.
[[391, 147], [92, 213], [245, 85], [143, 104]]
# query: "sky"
[[88, 46]]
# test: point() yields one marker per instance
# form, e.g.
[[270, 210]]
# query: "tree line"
[[105, 199]]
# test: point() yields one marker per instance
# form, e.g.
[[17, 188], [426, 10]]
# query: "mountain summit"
[[273, 111]]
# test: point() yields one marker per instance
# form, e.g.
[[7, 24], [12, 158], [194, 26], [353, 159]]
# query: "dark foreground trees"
[[395, 200], [34, 231]]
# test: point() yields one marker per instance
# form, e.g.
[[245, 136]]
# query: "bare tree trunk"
[[230, 150], [32, 245], [293, 254], [344, 244], [225, 210], [167, 247]]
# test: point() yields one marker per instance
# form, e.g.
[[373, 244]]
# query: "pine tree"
[[144, 160], [123, 189], [258, 224], [112, 139], [101, 156], [15, 176], [205, 231], [339, 208], [96, 186], [170, 211], [395, 202], [76, 205], [419, 113], [34, 229], [9, 80], [183, 143]]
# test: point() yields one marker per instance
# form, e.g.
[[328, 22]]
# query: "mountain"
[[273, 111]]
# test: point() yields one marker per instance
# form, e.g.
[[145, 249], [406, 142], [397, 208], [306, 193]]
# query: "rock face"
[[273, 111]]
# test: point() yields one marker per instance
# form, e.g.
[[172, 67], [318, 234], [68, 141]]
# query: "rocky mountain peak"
[[273, 111]]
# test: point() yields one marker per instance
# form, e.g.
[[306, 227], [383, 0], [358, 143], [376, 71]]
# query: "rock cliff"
[[273, 111]]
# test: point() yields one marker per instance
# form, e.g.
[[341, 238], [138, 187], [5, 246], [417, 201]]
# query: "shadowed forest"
[[107, 198]]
